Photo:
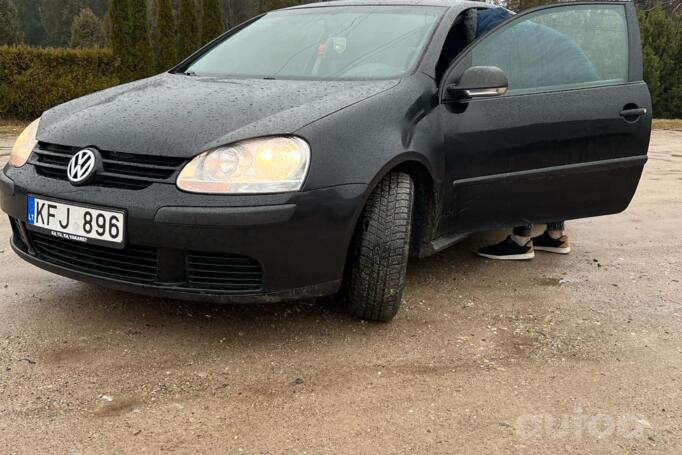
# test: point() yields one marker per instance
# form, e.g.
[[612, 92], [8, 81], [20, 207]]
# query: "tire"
[[381, 250]]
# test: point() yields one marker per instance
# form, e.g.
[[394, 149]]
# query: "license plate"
[[77, 223]]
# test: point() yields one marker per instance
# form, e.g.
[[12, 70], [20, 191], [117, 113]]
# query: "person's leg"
[[556, 229], [554, 239], [516, 247], [522, 234]]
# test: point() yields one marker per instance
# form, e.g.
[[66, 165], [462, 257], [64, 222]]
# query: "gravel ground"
[[5, 146], [578, 354]]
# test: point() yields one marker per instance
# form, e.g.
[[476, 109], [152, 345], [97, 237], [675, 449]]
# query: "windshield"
[[361, 42]]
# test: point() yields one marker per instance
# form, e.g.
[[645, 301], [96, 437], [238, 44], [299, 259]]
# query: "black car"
[[315, 149]]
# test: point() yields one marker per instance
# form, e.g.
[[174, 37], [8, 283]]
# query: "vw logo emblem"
[[83, 166]]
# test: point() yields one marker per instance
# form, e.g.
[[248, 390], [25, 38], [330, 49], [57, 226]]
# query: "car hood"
[[181, 116]]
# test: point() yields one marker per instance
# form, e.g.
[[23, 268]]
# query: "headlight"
[[24, 145], [266, 165]]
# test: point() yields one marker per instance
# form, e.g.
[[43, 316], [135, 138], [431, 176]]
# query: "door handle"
[[633, 114]]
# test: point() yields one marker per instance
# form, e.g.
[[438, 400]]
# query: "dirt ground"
[[578, 354]]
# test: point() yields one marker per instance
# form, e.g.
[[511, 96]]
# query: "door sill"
[[442, 243]]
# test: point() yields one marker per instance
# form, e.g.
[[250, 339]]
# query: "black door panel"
[[558, 146], [506, 137], [549, 194], [524, 132]]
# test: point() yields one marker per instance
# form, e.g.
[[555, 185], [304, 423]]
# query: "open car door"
[[567, 137]]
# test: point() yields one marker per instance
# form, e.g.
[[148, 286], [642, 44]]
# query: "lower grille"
[[134, 263], [17, 231], [203, 272], [224, 272]]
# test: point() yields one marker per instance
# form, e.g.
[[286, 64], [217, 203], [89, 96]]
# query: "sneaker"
[[508, 250], [545, 242]]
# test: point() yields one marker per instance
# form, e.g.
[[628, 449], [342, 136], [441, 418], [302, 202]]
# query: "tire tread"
[[381, 250]]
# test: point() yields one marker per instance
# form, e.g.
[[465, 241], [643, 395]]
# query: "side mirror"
[[476, 82]]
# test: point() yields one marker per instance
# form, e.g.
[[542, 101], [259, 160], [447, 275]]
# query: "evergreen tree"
[[166, 35], [662, 47], [10, 28], [676, 86], [239, 11], [34, 33], [120, 29], [99, 7], [269, 5], [57, 17], [87, 30], [140, 52], [188, 29], [652, 75], [212, 24]]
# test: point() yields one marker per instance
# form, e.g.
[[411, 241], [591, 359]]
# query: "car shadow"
[[79, 305]]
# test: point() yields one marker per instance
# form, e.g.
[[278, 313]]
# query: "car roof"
[[445, 3]]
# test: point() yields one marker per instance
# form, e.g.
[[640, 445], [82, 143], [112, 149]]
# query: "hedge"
[[33, 80]]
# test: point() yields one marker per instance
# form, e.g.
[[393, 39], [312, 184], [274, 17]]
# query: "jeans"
[[526, 231]]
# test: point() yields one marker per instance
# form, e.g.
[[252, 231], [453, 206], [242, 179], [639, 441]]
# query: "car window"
[[359, 42], [560, 48]]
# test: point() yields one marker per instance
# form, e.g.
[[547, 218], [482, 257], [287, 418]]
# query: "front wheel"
[[381, 250]]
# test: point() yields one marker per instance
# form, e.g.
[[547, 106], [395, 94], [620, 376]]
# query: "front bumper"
[[299, 240]]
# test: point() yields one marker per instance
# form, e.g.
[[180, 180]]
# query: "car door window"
[[559, 48]]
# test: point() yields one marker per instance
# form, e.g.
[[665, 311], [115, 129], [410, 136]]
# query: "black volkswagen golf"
[[313, 150]]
